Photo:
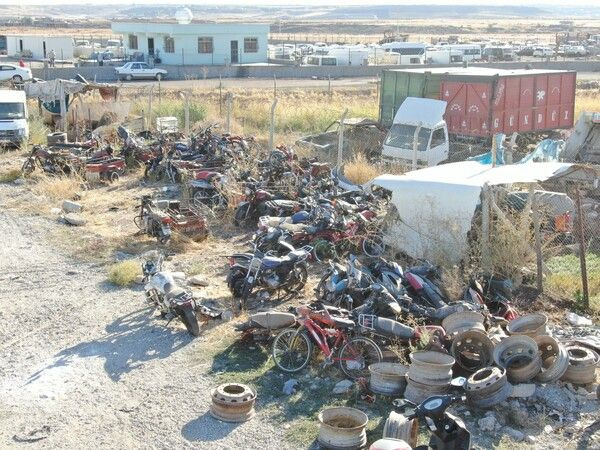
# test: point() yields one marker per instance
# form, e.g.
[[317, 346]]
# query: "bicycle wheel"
[[357, 354], [373, 246], [291, 350], [323, 250]]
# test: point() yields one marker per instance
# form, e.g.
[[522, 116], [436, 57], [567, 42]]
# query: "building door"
[[151, 46], [44, 48], [234, 52]]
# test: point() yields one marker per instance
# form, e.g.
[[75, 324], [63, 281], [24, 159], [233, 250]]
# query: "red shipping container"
[[524, 101]]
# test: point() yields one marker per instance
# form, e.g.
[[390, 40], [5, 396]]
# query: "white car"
[[543, 52], [14, 73], [133, 70]]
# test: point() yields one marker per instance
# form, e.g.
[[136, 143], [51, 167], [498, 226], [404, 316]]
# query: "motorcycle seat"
[[390, 327], [175, 292], [342, 323]]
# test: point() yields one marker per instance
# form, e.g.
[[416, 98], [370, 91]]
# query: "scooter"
[[448, 432]]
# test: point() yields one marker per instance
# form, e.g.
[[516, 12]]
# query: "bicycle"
[[293, 347]]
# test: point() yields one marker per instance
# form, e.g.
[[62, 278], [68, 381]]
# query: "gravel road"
[[86, 365]]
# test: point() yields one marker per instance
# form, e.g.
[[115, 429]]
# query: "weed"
[[565, 279], [37, 128], [359, 170], [56, 188], [10, 176], [124, 273]]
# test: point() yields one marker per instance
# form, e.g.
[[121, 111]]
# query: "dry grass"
[[124, 273], [586, 101], [10, 176], [359, 170], [56, 188]]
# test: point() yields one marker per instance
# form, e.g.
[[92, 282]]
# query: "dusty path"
[[85, 365]]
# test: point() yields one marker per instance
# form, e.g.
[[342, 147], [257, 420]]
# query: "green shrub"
[[124, 273]]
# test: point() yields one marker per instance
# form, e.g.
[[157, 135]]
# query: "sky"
[[308, 2]]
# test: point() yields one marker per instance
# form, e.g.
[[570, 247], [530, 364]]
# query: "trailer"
[[484, 101]]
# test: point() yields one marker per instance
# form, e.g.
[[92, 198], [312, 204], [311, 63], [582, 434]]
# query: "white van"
[[423, 119], [13, 117]]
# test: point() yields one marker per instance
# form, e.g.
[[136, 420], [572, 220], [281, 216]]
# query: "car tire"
[[128, 77], [159, 76], [17, 79]]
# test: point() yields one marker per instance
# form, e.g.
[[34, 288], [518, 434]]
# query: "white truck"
[[14, 129], [418, 135]]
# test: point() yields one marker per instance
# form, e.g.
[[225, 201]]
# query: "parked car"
[[14, 73], [139, 70], [543, 52], [525, 51]]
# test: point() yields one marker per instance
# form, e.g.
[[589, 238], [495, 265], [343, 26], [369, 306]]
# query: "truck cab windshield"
[[11, 111], [402, 135]]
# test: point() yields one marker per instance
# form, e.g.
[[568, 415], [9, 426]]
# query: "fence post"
[[272, 126], [150, 108], [329, 84], [341, 141], [63, 107], [186, 99], [582, 262], [486, 261], [538, 240], [274, 86], [416, 145], [220, 97], [228, 121], [494, 149]]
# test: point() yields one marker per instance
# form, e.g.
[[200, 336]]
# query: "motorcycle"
[[344, 286], [207, 189], [171, 300], [269, 272], [260, 326], [153, 221], [448, 432], [260, 202]]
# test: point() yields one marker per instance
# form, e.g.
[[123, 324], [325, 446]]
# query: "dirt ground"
[[87, 364]]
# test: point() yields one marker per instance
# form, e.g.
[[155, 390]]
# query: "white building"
[[38, 46], [184, 42]]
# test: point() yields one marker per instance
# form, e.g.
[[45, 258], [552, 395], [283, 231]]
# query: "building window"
[[133, 45], [169, 44], [250, 45], [205, 45]]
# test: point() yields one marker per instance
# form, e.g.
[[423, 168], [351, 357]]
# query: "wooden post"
[[229, 98], [150, 108], [329, 85], [274, 86], [486, 257], [494, 149], [582, 262], [63, 107], [341, 141], [538, 239], [416, 145], [159, 94], [272, 125], [186, 97], [220, 97]]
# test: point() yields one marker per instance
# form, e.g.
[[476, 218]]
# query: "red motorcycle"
[[207, 188]]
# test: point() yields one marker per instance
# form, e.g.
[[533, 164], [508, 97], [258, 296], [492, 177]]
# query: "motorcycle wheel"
[[297, 279], [291, 350], [357, 355], [241, 215], [189, 319], [236, 283], [372, 246]]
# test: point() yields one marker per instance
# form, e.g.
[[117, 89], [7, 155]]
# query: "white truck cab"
[[13, 117], [418, 135]]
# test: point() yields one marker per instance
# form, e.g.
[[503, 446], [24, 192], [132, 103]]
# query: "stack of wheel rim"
[[472, 350], [387, 378], [582, 365], [459, 322], [398, 427], [520, 357], [555, 359], [487, 387], [430, 373], [233, 402], [528, 325], [342, 428]]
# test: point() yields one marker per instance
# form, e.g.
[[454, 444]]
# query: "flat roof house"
[[183, 42]]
